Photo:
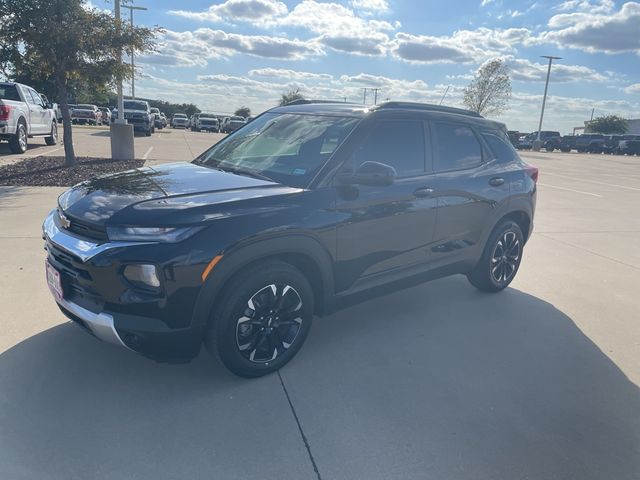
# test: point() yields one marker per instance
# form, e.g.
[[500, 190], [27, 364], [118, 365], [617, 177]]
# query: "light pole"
[[537, 143], [120, 132], [133, 66]]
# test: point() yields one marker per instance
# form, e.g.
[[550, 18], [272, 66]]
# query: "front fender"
[[254, 250]]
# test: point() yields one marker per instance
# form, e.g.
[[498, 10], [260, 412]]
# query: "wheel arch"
[[303, 252]]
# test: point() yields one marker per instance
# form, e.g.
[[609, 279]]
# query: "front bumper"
[[96, 298]]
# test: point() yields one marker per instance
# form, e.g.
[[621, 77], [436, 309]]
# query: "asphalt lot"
[[438, 381]]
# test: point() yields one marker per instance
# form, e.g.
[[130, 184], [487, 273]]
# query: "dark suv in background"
[[306, 209]]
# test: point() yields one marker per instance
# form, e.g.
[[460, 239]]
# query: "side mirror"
[[373, 174]]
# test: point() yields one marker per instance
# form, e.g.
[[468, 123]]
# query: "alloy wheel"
[[22, 138], [270, 323], [505, 258]]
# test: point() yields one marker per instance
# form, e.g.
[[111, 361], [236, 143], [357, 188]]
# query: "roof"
[[356, 110]]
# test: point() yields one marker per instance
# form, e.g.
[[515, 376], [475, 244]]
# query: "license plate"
[[53, 280]]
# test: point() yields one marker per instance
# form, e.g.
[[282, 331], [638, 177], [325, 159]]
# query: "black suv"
[[306, 209]]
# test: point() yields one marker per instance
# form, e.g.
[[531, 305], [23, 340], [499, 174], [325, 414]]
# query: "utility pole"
[[445, 94], [133, 66], [364, 101], [537, 143], [375, 95]]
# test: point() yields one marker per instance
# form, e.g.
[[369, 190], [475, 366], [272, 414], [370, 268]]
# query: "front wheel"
[[53, 138], [500, 259], [262, 320]]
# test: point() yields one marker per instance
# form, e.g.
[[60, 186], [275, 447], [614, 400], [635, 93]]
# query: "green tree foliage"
[[490, 90], [609, 125], [291, 96], [243, 112], [65, 47]]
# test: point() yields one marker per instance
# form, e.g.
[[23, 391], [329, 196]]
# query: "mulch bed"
[[52, 172]]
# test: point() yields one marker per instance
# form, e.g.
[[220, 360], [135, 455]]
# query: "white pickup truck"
[[25, 114]]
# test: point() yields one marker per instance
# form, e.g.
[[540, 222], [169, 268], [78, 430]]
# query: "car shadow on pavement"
[[442, 381], [437, 380]]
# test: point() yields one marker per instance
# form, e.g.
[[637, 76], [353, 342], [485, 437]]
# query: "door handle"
[[496, 181], [423, 192]]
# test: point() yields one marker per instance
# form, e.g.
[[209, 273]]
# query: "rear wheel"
[[18, 143], [263, 319], [500, 259], [53, 138]]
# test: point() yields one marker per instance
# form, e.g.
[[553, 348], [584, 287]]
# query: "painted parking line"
[[571, 190], [595, 182], [146, 155], [38, 154]]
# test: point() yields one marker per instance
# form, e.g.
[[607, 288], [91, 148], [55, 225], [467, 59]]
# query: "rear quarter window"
[[9, 92], [502, 151]]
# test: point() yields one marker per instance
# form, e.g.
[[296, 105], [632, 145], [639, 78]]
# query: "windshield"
[[135, 105], [179, 115], [286, 148], [237, 119], [85, 107]]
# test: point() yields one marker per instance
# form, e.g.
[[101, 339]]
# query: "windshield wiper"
[[245, 171]]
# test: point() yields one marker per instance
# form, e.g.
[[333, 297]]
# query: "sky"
[[221, 55]]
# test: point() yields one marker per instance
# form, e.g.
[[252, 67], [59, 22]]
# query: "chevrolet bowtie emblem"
[[64, 221]]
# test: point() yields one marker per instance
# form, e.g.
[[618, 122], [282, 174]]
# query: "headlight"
[[151, 234]]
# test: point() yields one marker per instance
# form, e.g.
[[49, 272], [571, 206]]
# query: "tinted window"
[[9, 92], [397, 143], [456, 147], [502, 150]]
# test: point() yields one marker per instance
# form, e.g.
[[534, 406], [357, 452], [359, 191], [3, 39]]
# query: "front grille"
[[87, 230]]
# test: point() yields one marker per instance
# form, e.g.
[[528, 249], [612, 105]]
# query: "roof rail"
[[304, 101], [428, 107]]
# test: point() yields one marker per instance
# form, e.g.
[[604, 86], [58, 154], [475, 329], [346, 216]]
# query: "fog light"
[[145, 274]]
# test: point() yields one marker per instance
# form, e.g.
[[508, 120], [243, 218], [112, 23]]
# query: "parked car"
[[567, 143], [307, 209], [86, 114], [630, 145], [589, 142], [24, 114], [137, 113], [179, 120], [207, 122], [514, 136], [57, 113], [223, 124], [157, 118], [193, 121], [233, 124], [164, 119], [106, 115]]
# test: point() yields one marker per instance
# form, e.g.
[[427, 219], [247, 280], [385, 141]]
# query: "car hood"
[[158, 194]]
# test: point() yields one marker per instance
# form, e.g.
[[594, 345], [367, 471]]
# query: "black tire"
[[53, 138], [148, 132], [500, 259], [19, 142], [260, 355]]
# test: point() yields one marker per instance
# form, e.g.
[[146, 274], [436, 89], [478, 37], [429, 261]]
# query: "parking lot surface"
[[438, 381]]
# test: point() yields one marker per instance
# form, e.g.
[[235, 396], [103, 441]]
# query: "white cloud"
[[237, 10], [527, 71], [632, 89], [287, 73], [464, 46], [603, 31], [374, 6], [600, 6], [195, 48]]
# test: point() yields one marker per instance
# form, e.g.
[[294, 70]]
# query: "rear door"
[[38, 112], [386, 229], [470, 186]]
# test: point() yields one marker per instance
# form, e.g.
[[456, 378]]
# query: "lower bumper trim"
[[100, 324]]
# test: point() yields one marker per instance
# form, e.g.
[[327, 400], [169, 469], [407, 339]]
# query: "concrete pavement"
[[438, 381]]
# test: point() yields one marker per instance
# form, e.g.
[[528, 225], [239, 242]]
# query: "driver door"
[[382, 230]]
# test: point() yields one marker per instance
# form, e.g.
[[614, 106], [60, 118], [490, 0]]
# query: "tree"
[[243, 112], [66, 43], [609, 125], [291, 96], [490, 90]]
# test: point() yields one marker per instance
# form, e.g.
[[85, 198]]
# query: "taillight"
[[5, 110], [533, 173]]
